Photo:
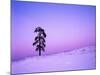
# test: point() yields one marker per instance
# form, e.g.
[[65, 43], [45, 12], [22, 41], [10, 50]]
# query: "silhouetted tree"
[[40, 40]]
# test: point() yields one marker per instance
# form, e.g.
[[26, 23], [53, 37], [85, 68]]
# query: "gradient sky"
[[67, 27]]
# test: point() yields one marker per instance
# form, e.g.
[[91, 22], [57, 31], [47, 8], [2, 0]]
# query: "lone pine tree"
[[40, 40]]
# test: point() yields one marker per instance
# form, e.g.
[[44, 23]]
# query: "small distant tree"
[[40, 40]]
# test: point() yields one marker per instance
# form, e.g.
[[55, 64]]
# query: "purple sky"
[[67, 27]]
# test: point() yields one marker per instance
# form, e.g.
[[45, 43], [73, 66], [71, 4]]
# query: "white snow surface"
[[78, 59]]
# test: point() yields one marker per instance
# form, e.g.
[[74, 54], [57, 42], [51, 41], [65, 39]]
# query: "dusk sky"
[[67, 27]]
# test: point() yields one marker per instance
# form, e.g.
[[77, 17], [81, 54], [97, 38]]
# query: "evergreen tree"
[[40, 40]]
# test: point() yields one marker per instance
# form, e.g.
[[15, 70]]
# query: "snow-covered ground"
[[78, 59]]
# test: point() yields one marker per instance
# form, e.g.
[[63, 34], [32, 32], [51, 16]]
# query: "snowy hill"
[[78, 59]]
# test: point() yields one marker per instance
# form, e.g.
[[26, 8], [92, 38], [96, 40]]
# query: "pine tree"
[[40, 40]]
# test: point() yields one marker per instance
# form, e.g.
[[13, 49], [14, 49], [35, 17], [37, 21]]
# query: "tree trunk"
[[39, 52], [39, 45]]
